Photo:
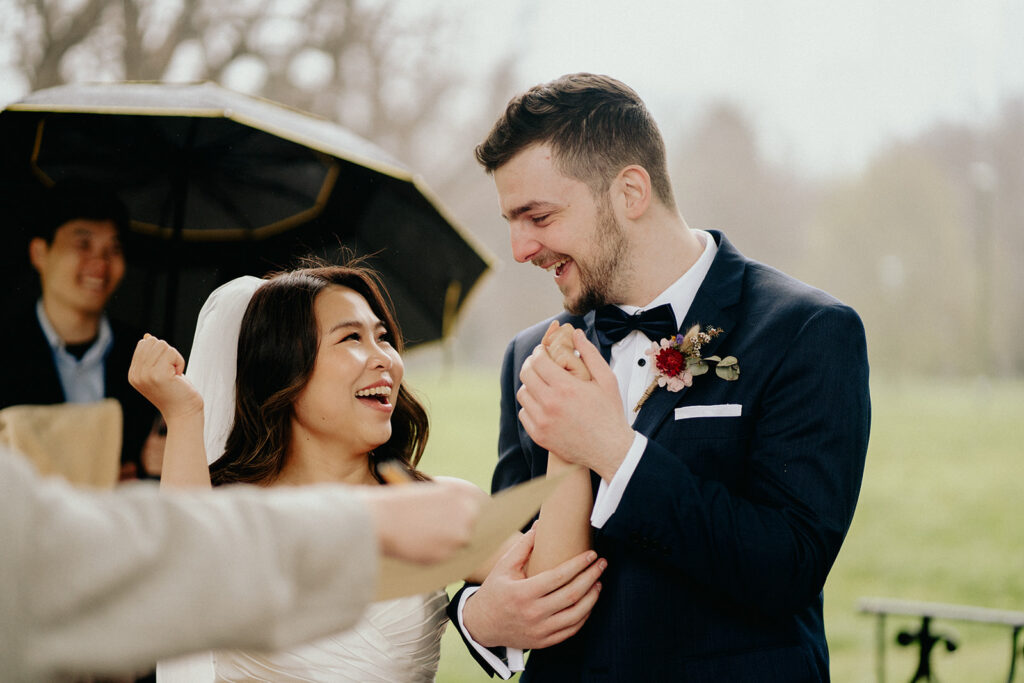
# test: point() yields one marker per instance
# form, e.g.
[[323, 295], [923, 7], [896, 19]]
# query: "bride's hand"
[[558, 342], [157, 372]]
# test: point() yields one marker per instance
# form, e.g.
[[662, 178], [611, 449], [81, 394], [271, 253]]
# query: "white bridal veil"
[[211, 363]]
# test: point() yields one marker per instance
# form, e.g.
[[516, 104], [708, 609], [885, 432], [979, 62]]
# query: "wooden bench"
[[926, 639]]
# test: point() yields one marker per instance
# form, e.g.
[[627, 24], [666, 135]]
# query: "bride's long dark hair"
[[277, 349]]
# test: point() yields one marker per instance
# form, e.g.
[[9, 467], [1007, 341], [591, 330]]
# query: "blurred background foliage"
[[926, 243]]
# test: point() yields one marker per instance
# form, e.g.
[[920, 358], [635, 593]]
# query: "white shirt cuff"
[[609, 494], [513, 655]]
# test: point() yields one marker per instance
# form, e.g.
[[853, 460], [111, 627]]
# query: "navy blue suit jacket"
[[719, 549]]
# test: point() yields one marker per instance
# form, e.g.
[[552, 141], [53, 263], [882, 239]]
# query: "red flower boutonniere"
[[677, 361]]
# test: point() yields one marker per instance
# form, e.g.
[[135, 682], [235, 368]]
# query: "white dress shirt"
[[83, 380], [634, 377]]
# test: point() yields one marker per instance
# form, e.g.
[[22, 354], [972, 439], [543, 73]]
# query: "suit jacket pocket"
[[709, 411], [713, 447]]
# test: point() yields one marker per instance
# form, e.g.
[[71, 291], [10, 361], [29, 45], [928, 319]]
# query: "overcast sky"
[[825, 83]]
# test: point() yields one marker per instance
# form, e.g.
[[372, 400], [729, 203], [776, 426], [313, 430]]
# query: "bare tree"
[[926, 243], [987, 168], [723, 182], [375, 66]]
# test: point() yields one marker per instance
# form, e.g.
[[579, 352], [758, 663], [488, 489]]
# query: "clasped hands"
[[583, 421], [577, 413]]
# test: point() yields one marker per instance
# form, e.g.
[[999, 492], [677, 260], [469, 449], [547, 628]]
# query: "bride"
[[318, 397]]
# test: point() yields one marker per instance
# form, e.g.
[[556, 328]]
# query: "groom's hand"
[[582, 421], [511, 610]]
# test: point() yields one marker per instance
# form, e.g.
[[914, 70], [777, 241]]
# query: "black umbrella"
[[221, 184]]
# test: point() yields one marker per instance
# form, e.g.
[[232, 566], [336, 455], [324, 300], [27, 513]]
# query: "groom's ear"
[[632, 187]]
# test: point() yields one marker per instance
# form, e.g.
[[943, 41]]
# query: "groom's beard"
[[601, 278]]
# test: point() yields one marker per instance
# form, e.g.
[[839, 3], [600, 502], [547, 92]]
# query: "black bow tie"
[[613, 324]]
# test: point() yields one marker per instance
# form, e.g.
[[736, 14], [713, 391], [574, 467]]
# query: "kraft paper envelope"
[[505, 513], [78, 441]]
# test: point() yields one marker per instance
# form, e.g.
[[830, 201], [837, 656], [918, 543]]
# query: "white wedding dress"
[[396, 641]]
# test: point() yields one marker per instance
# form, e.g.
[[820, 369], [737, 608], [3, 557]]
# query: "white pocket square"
[[719, 410]]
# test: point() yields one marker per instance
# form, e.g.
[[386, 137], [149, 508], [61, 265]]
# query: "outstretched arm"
[[563, 530], [261, 569], [511, 609], [157, 372]]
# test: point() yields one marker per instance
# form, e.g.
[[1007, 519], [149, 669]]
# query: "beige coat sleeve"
[[106, 582]]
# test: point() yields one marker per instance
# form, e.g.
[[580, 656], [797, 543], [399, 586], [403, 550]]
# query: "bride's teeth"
[[374, 391]]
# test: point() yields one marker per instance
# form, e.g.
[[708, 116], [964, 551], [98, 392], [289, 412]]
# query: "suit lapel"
[[714, 304], [606, 353], [588, 327]]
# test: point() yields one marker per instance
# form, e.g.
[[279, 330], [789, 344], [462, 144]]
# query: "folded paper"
[[504, 514]]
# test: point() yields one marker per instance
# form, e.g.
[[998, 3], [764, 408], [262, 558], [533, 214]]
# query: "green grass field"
[[939, 517]]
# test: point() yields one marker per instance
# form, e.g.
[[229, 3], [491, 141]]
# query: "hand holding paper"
[[500, 516]]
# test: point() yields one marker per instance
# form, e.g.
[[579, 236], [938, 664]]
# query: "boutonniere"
[[677, 361]]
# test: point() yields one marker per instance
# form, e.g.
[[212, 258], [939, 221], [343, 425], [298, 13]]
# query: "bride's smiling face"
[[351, 393]]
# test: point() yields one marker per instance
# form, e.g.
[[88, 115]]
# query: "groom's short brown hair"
[[596, 126]]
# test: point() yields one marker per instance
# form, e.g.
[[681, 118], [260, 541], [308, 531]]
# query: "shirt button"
[[642, 362]]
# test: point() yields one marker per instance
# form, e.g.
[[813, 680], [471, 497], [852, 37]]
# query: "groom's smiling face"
[[556, 223]]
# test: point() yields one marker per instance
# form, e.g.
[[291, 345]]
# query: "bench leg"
[[926, 641], [1013, 653]]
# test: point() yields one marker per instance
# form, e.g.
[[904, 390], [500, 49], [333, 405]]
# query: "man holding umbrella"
[[65, 348]]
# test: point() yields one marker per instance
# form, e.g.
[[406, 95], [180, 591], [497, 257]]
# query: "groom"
[[722, 502]]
